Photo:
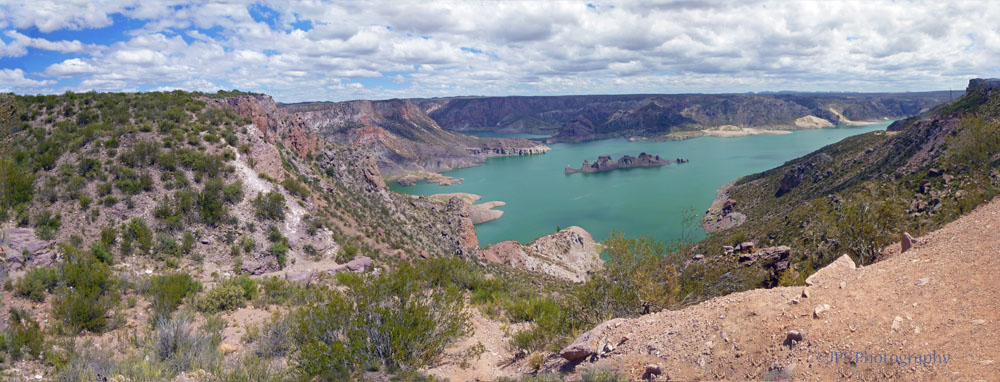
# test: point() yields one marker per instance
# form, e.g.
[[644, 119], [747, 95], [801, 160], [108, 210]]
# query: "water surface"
[[640, 201]]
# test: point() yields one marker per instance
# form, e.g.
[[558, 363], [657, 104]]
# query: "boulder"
[[907, 242], [261, 266], [360, 264], [357, 265], [833, 274], [770, 255], [587, 344], [820, 309]]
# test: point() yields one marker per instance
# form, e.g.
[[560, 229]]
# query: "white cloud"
[[453, 48], [14, 80]]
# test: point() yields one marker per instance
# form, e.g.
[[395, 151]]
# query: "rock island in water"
[[604, 163]]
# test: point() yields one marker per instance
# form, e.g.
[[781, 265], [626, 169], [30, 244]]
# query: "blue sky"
[[301, 51]]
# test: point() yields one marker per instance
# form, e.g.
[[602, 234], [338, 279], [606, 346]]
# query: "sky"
[[312, 50]]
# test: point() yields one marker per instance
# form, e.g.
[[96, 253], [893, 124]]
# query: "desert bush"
[[393, 319], [295, 187], [270, 206], [868, 221], [22, 337], [143, 153], [181, 347], [976, 143], [35, 283], [211, 202], [47, 224], [167, 291], [102, 252], [279, 245], [233, 192], [639, 277], [90, 291], [136, 233], [228, 295]]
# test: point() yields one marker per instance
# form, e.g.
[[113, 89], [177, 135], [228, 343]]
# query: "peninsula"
[[604, 163]]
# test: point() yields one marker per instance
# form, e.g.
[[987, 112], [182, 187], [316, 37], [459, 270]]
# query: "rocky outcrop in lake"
[[605, 163]]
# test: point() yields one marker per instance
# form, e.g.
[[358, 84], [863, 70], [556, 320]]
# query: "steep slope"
[[192, 174], [855, 196], [578, 118], [402, 137], [904, 318]]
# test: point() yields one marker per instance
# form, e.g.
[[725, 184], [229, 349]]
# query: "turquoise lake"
[[639, 201]]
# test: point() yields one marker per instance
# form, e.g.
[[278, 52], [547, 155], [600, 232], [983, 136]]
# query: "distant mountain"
[[580, 118]]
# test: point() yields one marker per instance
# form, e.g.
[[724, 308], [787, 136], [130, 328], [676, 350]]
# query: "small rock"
[[795, 301], [149, 271], [654, 369], [843, 284], [818, 312], [923, 281], [897, 323], [227, 348], [698, 257], [805, 292], [916, 330], [907, 242], [793, 337], [205, 241]]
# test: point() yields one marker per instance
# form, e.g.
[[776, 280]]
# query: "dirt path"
[[928, 314]]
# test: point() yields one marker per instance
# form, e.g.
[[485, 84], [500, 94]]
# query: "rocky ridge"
[[570, 254]]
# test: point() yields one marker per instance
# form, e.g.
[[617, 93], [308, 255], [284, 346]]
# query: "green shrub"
[[90, 292], [143, 153], [167, 291], [210, 202], [279, 245], [136, 233], [35, 283], [101, 252], [181, 347], [295, 187], [392, 319], [22, 337], [17, 185], [233, 192], [228, 295], [47, 224], [109, 235], [270, 206]]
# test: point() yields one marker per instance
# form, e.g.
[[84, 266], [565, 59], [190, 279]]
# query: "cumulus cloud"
[[14, 80], [330, 51]]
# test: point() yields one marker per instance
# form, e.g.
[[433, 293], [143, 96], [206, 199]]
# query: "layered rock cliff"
[[402, 137], [578, 118]]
